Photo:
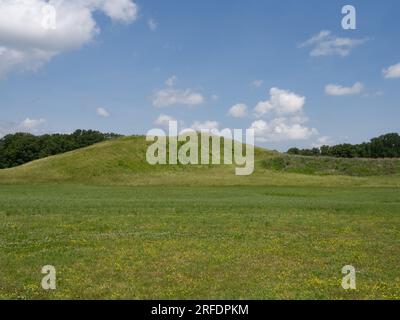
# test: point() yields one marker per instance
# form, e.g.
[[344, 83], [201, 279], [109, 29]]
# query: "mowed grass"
[[244, 242], [116, 227]]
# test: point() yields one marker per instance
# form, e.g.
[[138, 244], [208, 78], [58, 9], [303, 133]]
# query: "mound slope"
[[123, 162]]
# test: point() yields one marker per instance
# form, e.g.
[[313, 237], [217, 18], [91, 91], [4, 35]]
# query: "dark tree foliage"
[[386, 146], [20, 148]]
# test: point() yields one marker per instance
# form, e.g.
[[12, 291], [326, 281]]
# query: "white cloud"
[[286, 120], [322, 141], [122, 10], [392, 72], [324, 34], [281, 129], [238, 111], [171, 97], [171, 81], [337, 90], [281, 102], [326, 44], [28, 125], [207, 125], [23, 60], [163, 120], [257, 83], [102, 112], [26, 44], [31, 124], [153, 25]]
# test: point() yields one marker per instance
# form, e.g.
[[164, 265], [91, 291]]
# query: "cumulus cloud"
[[22, 60], [28, 41], [31, 124], [102, 112], [119, 10], [281, 129], [281, 102], [322, 141], [206, 125], [392, 72], [172, 97], [238, 111], [28, 125], [338, 90], [326, 44], [164, 120], [285, 119]]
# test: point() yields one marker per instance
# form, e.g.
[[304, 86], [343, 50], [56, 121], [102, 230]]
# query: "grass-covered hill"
[[123, 162]]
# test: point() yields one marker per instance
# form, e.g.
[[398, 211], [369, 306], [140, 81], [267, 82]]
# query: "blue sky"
[[217, 54]]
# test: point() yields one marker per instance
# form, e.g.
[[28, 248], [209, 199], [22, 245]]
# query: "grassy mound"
[[123, 162]]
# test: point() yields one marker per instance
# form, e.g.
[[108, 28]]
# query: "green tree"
[[20, 148]]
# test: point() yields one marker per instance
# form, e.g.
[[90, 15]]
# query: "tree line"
[[385, 146], [19, 148]]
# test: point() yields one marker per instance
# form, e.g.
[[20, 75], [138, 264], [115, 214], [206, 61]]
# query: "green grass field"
[[114, 228]]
